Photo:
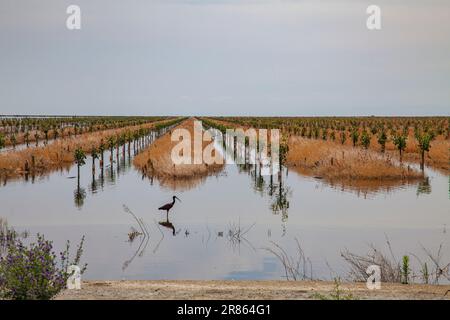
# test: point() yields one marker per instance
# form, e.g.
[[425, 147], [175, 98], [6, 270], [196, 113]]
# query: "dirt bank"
[[248, 290]]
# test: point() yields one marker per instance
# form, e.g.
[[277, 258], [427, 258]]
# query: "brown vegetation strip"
[[58, 154], [156, 161], [332, 161], [438, 157], [336, 162]]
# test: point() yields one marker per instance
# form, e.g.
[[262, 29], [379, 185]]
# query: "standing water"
[[226, 225]]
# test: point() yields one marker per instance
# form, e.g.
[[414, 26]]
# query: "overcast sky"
[[225, 57]]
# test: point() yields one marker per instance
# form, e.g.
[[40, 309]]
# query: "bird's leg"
[[167, 215]]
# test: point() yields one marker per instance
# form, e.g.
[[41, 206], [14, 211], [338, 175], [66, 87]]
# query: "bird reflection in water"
[[168, 225], [167, 208]]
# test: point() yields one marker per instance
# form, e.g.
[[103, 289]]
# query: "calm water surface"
[[196, 242]]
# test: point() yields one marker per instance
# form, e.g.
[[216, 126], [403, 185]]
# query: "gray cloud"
[[225, 57]]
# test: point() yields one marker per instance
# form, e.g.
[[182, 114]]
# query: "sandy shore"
[[247, 290]]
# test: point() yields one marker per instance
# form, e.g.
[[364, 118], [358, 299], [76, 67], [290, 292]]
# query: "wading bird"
[[169, 206]]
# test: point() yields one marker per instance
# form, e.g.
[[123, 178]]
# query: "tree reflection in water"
[[278, 192], [79, 195], [424, 187]]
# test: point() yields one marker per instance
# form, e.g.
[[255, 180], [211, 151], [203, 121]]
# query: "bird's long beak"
[[177, 198]]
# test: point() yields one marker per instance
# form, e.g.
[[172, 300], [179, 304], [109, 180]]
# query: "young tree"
[[424, 144], [117, 141], [2, 141], [400, 143], [94, 155], [111, 143], [136, 137], [80, 158], [303, 131], [316, 133], [382, 139], [374, 130], [101, 149], [343, 137], [129, 139], [122, 141], [284, 149], [355, 136], [36, 138], [27, 138], [45, 129], [333, 136], [365, 139], [13, 140]]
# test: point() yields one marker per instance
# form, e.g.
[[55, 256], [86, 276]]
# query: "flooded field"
[[226, 223]]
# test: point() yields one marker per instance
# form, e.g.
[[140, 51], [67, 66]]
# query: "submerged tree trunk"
[[78, 176], [422, 163]]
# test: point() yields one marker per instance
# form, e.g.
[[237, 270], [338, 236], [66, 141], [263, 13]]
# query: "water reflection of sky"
[[324, 218]]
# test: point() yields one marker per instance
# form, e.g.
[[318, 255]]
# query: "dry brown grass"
[[438, 157], [58, 154], [20, 137], [362, 169], [332, 161], [183, 184], [156, 161]]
